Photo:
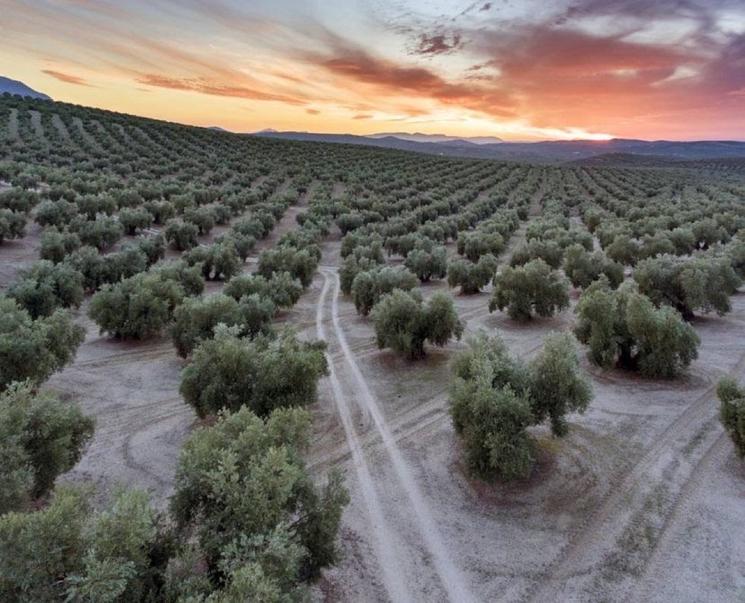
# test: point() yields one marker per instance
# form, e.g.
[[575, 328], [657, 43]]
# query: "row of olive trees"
[[245, 472]]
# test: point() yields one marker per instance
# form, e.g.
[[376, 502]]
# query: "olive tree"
[[100, 233], [281, 288], [548, 251], [623, 328], [300, 263], [133, 220], [181, 235], [556, 385], [34, 349], [244, 492], [196, 319], [218, 262], [368, 287], [530, 289], [473, 245], [138, 307], [403, 322], [351, 267], [56, 245], [45, 286], [55, 213], [42, 437], [688, 284], [202, 217], [67, 551], [472, 277], [12, 225], [624, 250], [427, 265], [732, 411], [491, 411], [229, 371], [583, 267]]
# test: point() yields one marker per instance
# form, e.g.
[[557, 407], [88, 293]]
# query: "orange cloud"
[[66, 77], [357, 66], [204, 86]]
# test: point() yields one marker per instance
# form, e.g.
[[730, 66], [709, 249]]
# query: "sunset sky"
[[518, 69]]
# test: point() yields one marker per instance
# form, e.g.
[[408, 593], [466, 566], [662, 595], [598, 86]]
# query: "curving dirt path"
[[393, 578], [450, 575]]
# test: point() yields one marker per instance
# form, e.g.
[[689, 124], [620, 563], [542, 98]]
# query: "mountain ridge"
[[550, 151], [18, 88]]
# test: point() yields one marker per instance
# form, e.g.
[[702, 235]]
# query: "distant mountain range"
[[555, 151], [19, 89], [419, 137]]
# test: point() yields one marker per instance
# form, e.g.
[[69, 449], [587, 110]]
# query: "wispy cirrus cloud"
[[66, 77], [214, 88]]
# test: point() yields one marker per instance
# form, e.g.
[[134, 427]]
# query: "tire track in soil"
[[603, 527], [716, 453], [394, 581], [451, 577]]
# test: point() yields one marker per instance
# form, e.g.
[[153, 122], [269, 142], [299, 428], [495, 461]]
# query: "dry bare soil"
[[643, 501]]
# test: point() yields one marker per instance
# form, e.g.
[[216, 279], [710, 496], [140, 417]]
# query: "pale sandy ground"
[[643, 501]]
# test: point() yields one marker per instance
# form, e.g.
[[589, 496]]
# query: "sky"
[[517, 69]]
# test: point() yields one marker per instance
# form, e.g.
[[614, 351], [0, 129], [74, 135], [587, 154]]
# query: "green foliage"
[[37, 549], [12, 225], [470, 277], [351, 267], [300, 264], [623, 250], [623, 328], [34, 349], [368, 287], [134, 219], [494, 398], [548, 251], [490, 416], [583, 267], [56, 213], [427, 265], [404, 323], [732, 411], [153, 247], [56, 245], [202, 217], [693, 284], [188, 277], [137, 307], [91, 206], [100, 233], [229, 371], [556, 386], [259, 520], [530, 289], [475, 244], [217, 262], [18, 200], [45, 287], [68, 552], [41, 437], [196, 319], [181, 235], [281, 288]]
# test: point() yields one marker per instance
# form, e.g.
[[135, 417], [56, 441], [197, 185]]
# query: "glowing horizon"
[[525, 70]]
